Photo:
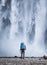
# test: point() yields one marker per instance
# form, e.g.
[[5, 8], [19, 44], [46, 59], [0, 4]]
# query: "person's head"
[[22, 42]]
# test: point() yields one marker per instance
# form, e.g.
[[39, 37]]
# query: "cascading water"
[[39, 43], [3, 2], [22, 21]]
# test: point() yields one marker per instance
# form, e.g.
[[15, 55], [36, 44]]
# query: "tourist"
[[22, 48]]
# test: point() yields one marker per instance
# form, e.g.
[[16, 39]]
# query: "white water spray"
[[21, 15], [3, 2]]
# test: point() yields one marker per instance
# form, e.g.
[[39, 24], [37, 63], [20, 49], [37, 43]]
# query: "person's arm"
[[25, 47], [20, 47]]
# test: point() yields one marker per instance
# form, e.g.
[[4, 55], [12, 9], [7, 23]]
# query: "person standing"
[[22, 48]]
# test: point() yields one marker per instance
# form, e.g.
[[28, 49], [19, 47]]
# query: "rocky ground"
[[26, 61]]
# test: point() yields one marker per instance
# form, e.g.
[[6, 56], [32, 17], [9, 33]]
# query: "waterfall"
[[22, 21], [3, 2], [39, 43]]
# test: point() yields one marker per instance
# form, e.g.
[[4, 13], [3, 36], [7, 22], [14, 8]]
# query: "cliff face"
[[26, 61]]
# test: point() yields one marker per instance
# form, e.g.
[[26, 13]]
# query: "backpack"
[[22, 46]]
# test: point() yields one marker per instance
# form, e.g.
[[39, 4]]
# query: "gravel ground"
[[26, 61]]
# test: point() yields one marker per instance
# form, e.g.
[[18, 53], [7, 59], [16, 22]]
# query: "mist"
[[23, 21]]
